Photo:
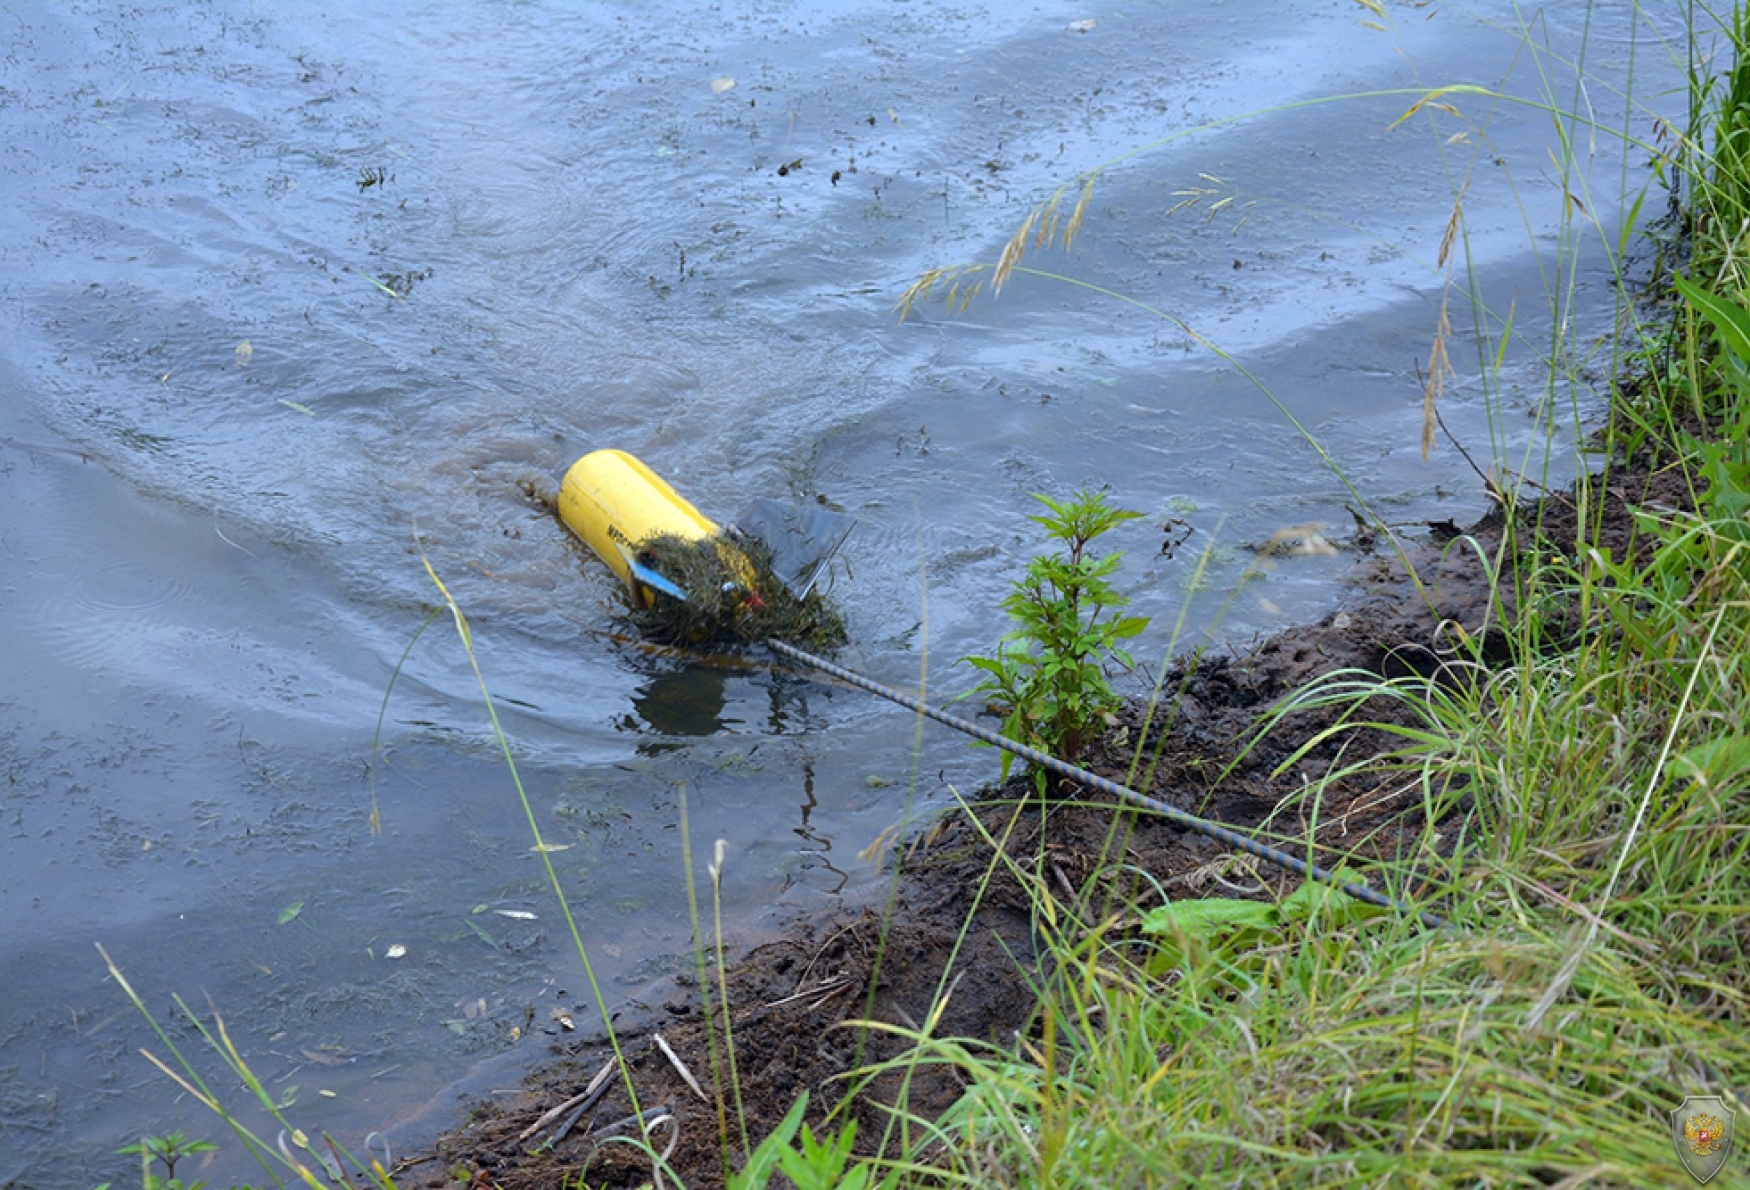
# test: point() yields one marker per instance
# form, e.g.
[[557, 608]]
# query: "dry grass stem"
[[1450, 236], [1215, 869], [595, 1084], [205, 1101], [1044, 225], [681, 1068], [1439, 368]]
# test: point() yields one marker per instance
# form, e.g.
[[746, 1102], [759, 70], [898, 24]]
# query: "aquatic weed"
[[732, 597]]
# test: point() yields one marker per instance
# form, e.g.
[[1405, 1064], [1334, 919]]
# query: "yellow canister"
[[615, 503]]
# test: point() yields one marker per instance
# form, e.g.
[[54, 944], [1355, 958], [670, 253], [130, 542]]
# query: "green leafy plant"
[[1231, 933], [169, 1149], [816, 1164], [1049, 674]]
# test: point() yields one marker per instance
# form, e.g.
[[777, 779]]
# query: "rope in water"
[[1172, 814]]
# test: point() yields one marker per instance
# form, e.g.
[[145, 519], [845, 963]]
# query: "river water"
[[289, 295]]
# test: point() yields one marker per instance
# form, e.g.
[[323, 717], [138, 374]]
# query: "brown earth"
[[791, 997]]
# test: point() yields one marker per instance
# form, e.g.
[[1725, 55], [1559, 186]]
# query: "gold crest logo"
[[1701, 1132]]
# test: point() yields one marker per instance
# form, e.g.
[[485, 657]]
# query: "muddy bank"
[[791, 997]]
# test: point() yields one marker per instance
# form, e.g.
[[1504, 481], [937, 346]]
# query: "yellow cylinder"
[[615, 503], [611, 499]]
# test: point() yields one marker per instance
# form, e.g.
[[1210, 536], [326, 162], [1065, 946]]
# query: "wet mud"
[[793, 998]]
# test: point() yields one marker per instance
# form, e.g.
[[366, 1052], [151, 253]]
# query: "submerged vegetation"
[[732, 596], [1571, 783]]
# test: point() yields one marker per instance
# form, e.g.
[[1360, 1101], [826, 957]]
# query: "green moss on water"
[[728, 603]]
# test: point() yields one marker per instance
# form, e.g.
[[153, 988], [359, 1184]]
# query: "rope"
[[1172, 814]]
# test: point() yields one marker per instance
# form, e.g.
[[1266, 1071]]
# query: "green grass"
[[1589, 810]]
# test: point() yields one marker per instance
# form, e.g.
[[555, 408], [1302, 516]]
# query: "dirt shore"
[[790, 997]]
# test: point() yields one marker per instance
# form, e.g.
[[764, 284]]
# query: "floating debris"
[[691, 581], [729, 594]]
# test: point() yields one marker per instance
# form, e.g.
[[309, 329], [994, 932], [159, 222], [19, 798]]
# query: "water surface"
[[289, 296]]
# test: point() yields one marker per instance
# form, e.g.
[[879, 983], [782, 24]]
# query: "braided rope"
[[1172, 814]]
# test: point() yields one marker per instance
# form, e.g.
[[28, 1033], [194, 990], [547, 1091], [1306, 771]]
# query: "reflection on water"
[[466, 243], [687, 701], [818, 844]]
